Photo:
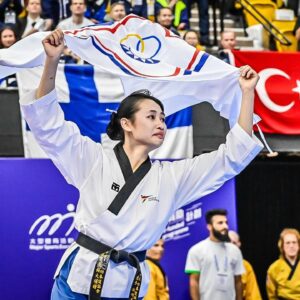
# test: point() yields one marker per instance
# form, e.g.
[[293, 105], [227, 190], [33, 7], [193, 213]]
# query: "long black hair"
[[128, 107]]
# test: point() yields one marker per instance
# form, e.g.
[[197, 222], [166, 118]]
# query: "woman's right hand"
[[54, 44]]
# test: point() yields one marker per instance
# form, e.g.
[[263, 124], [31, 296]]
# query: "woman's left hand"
[[248, 78]]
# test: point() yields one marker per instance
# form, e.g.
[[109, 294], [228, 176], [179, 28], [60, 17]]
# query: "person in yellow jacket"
[[283, 277], [250, 286], [158, 287]]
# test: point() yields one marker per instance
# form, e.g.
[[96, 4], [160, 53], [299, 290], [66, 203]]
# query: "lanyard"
[[225, 264]]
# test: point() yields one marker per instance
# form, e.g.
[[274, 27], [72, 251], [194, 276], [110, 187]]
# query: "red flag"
[[277, 97]]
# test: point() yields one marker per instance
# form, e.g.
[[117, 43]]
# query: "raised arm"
[[73, 154], [248, 80], [54, 46]]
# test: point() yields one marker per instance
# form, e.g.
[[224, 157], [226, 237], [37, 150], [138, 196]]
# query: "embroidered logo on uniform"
[[115, 187], [145, 198]]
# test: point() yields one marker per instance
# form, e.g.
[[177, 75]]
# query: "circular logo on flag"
[[141, 49]]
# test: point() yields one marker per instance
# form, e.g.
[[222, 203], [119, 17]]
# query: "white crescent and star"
[[263, 95]]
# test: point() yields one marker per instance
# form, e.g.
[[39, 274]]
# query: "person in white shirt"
[[125, 200], [77, 19], [33, 22], [215, 265]]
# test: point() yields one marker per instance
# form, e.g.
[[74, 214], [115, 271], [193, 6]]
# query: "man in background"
[[215, 265]]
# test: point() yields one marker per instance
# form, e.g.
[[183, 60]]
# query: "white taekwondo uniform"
[[141, 221]]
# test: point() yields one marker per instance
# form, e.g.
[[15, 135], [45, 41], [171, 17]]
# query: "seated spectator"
[[250, 286], [9, 11], [127, 5], [283, 275], [193, 39], [179, 11], [33, 22], [8, 36], [158, 285], [165, 17], [227, 43], [117, 11], [77, 19]]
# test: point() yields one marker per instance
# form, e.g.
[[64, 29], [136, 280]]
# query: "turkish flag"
[[277, 97]]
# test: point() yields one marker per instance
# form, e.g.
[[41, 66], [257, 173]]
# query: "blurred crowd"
[[20, 18], [217, 269]]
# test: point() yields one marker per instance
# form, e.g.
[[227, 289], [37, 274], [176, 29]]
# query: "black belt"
[[107, 253]]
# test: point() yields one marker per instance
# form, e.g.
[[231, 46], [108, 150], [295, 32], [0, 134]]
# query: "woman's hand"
[[248, 78], [54, 44]]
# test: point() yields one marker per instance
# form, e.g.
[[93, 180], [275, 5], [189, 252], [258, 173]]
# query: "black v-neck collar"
[[293, 267], [123, 161], [132, 179]]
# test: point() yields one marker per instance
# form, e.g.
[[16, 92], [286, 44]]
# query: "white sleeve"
[[193, 262], [73, 154], [202, 175]]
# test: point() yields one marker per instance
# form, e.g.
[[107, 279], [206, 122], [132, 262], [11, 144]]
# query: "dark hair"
[[214, 212], [191, 30], [162, 8], [128, 107], [5, 27]]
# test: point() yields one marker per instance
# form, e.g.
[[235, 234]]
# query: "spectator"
[[215, 266], [8, 36], [193, 39], [77, 19], [165, 18], [227, 43], [179, 10], [158, 286], [9, 11], [33, 22], [117, 11], [250, 286], [283, 279], [127, 5]]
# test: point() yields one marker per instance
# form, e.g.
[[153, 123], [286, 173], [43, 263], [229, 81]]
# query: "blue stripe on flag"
[[201, 62], [180, 118], [84, 108], [111, 58], [187, 72]]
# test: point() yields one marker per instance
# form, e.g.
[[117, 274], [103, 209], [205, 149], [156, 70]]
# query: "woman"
[[283, 276], [193, 39], [125, 200], [158, 286], [8, 37]]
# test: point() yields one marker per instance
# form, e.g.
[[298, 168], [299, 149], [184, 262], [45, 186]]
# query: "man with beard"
[[214, 265]]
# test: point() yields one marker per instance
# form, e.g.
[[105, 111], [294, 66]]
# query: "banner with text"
[[37, 224]]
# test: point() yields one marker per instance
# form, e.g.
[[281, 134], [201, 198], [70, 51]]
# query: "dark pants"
[[204, 18]]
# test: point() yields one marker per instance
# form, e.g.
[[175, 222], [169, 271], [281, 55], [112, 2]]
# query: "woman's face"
[[290, 245], [192, 39], [157, 250], [148, 125], [7, 38]]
